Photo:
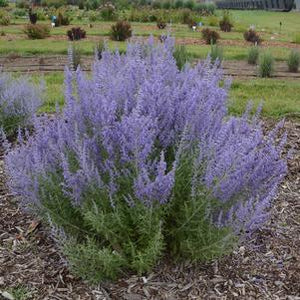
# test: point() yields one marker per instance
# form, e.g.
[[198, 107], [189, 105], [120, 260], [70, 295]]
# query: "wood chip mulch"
[[266, 267]]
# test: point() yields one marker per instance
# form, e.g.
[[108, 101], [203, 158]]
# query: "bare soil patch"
[[265, 267], [44, 64]]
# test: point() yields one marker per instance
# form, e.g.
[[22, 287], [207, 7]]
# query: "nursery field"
[[156, 182], [279, 31], [277, 39]]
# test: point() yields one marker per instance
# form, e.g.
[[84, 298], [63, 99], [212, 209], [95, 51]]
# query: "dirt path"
[[46, 64], [267, 267]]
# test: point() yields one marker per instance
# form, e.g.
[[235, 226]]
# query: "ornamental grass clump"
[[216, 54], [181, 55], [293, 61], [266, 65], [143, 161], [19, 101], [253, 55]]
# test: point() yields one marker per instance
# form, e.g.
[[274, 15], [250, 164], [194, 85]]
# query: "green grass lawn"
[[280, 98], [269, 21]]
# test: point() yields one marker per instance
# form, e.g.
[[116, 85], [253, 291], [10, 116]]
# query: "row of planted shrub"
[[142, 162], [122, 31], [266, 61], [119, 31], [109, 13], [123, 28], [203, 8]]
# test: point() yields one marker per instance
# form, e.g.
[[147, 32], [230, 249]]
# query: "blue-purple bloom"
[[19, 102], [131, 119]]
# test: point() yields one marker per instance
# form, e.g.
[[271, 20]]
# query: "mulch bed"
[[266, 267]]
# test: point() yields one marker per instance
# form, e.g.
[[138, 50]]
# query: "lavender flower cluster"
[[19, 101], [134, 118]]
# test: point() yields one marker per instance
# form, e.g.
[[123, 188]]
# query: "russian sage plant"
[[19, 101], [145, 160]]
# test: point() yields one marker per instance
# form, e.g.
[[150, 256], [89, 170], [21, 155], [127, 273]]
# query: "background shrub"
[[41, 16], [185, 16], [166, 5], [252, 36], [144, 159], [157, 4], [294, 61], [19, 12], [108, 13], [161, 24], [213, 21], [62, 20], [3, 3], [37, 31], [226, 23], [178, 4], [253, 55], [4, 18], [22, 4], [266, 65], [190, 4], [92, 4], [53, 3], [32, 17], [19, 101], [121, 31], [76, 34], [210, 36], [93, 17]]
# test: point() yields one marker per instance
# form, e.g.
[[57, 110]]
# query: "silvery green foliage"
[[19, 101], [126, 130]]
